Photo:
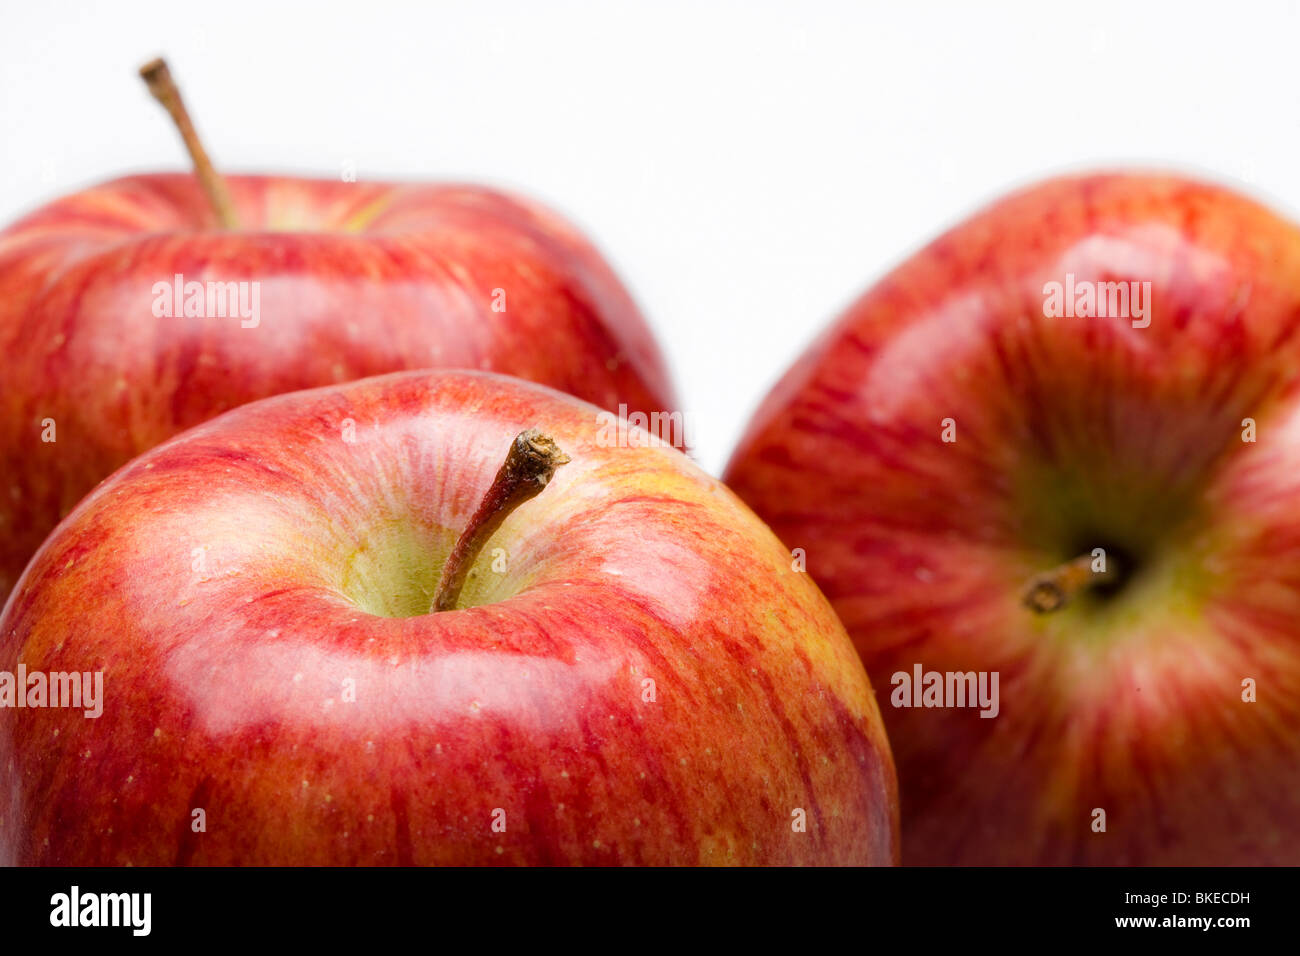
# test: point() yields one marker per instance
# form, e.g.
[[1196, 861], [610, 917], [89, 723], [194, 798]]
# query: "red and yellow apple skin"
[[641, 679], [354, 279], [1070, 433]]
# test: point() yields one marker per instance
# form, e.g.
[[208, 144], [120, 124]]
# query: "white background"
[[747, 167]]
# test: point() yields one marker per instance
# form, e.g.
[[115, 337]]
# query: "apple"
[[628, 668], [1058, 452], [135, 309]]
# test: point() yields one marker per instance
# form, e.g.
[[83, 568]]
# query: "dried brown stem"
[[165, 91], [529, 465], [1054, 589]]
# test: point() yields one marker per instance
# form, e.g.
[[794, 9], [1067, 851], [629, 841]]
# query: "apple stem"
[[1054, 589], [165, 91], [529, 465]]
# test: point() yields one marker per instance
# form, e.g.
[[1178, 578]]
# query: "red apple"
[[962, 431], [339, 281], [633, 672]]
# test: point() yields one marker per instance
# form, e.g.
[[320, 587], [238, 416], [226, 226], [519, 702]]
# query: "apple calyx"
[[529, 465], [1052, 590], [164, 89]]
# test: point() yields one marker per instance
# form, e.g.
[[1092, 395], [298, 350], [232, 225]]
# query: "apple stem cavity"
[[164, 89], [528, 468], [1054, 589]]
